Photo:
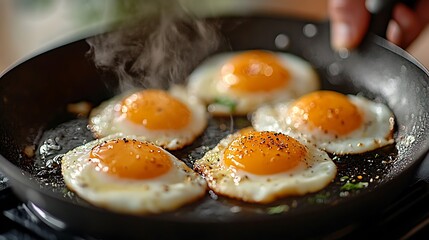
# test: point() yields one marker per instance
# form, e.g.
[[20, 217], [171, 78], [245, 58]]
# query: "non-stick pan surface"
[[33, 113]]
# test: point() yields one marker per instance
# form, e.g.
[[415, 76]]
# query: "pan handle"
[[381, 12]]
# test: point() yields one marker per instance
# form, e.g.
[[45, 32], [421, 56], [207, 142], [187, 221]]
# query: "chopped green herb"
[[319, 198], [344, 178], [278, 209], [354, 186], [226, 102]]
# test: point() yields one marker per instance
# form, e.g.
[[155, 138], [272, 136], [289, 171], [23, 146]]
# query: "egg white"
[[376, 130], [317, 172], [104, 120], [179, 186], [203, 83]]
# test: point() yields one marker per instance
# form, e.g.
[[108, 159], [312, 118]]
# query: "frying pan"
[[35, 94]]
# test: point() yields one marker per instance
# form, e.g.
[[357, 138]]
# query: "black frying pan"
[[36, 92]]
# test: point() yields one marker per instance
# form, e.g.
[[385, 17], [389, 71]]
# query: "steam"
[[157, 51]]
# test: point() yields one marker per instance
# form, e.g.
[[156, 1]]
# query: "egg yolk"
[[156, 110], [254, 71], [130, 159], [264, 153], [328, 111]]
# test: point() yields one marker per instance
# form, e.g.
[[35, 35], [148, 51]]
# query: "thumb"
[[349, 22]]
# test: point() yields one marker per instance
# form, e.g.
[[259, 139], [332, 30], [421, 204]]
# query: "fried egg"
[[130, 176], [170, 119], [338, 123], [261, 167], [238, 82]]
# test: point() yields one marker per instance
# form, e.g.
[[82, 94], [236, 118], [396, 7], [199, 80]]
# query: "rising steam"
[[159, 50]]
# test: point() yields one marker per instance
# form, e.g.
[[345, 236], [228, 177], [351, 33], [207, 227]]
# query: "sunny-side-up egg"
[[171, 119], [261, 167], [337, 123], [238, 82], [130, 176]]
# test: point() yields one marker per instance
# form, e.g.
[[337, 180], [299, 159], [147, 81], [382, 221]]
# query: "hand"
[[350, 20]]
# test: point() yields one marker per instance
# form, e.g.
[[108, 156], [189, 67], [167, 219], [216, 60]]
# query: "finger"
[[422, 9], [394, 33], [349, 22], [408, 26]]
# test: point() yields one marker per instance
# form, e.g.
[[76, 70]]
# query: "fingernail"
[[394, 33], [341, 35]]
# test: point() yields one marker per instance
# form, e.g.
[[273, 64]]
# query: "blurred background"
[[29, 25]]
